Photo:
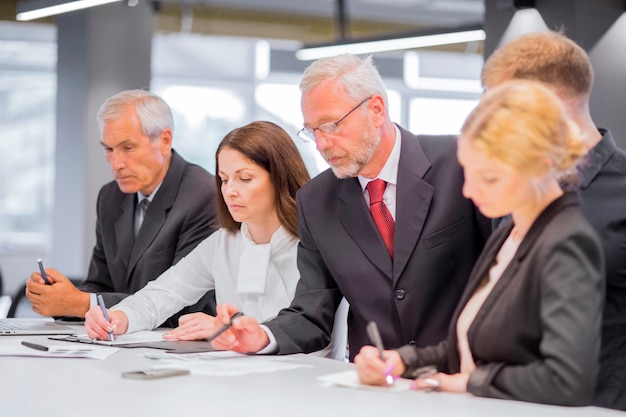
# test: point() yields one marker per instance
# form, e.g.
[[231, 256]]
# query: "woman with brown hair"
[[250, 261]]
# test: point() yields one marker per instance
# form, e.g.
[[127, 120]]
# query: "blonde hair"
[[549, 57], [522, 124]]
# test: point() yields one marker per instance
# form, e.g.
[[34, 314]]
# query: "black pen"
[[225, 327], [35, 346]]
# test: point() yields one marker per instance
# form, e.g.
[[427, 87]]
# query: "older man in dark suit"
[[400, 254], [158, 208]]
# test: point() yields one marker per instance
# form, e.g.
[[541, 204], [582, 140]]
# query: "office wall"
[[101, 51]]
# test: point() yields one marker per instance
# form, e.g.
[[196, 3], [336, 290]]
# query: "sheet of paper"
[[137, 337], [350, 379], [226, 363], [68, 350]]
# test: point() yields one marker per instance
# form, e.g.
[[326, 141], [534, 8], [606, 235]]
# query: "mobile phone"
[[154, 373]]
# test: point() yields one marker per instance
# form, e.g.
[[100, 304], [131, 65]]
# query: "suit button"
[[400, 294], [412, 343]]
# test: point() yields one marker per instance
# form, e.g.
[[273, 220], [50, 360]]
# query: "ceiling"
[[307, 21]]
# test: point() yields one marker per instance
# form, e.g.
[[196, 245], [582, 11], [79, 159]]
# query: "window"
[[27, 111]]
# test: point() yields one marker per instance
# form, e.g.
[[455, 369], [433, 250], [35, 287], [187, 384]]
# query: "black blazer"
[[603, 199], [438, 237], [537, 336], [181, 215]]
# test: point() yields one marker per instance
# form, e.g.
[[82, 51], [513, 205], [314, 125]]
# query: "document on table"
[[350, 379], [57, 351], [226, 363], [124, 339]]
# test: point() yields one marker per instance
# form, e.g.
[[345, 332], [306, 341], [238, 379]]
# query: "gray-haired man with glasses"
[[328, 128], [387, 227]]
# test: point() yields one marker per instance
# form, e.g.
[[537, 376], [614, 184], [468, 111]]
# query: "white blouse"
[[258, 279]]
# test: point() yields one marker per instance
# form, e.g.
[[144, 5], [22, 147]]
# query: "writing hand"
[[97, 327], [372, 370]]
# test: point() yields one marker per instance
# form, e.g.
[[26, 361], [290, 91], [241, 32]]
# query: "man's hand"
[[61, 298], [245, 335]]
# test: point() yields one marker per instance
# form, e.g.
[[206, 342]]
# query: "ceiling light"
[[393, 43], [36, 9], [524, 4]]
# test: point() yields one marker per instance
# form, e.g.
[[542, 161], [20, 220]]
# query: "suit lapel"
[[529, 241], [355, 218], [122, 225], [413, 198], [156, 215]]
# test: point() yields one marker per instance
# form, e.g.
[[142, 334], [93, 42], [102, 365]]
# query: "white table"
[[53, 387]]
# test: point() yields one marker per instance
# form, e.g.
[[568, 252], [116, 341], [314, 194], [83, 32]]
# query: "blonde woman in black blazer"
[[528, 324]]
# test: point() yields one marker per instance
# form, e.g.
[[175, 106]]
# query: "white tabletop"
[[53, 387]]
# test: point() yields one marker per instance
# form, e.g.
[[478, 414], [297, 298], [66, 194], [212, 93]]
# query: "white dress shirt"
[[258, 279]]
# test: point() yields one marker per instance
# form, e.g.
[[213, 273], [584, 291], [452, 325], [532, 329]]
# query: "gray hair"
[[359, 76], [153, 112]]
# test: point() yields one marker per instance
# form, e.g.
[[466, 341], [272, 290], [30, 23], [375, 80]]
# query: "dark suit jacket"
[[603, 199], [438, 237], [537, 336], [181, 215]]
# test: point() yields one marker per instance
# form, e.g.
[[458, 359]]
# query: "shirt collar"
[[389, 173], [592, 163], [140, 196]]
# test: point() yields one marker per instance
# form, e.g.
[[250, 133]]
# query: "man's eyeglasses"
[[308, 133]]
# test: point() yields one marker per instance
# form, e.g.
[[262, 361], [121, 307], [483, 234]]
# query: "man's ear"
[[165, 141]]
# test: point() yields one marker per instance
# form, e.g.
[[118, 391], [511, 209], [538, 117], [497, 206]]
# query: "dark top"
[[536, 337], [438, 236], [603, 192]]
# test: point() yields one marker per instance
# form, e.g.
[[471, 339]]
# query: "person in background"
[[157, 209], [386, 227], [250, 261], [564, 67], [528, 324]]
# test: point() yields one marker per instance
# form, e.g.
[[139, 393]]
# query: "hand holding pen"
[[106, 317], [42, 271], [376, 339]]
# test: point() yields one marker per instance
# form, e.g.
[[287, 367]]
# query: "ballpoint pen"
[[43, 272], [106, 315], [374, 335], [225, 327], [35, 346]]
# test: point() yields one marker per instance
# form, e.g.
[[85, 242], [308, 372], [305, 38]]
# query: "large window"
[[27, 111], [213, 85]]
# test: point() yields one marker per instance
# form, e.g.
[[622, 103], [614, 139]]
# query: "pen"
[[225, 327], [35, 346], [43, 272], [103, 307], [374, 335]]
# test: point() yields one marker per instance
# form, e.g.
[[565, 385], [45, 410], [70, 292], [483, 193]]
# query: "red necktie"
[[380, 213]]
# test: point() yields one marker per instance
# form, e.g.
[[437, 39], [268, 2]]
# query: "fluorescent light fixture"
[[36, 9], [398, 42]]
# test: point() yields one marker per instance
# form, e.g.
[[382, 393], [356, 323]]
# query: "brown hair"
[[521, 123], [549, 57], [270, 147]]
